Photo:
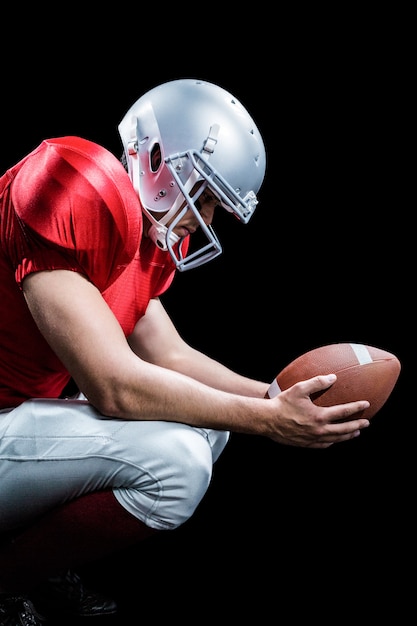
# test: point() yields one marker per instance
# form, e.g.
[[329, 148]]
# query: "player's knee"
[[174, 487], [186, 486]]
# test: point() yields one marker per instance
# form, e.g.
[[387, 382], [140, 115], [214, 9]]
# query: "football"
[[363, 373]]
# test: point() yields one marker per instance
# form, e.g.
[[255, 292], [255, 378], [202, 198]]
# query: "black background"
[[326, 258]]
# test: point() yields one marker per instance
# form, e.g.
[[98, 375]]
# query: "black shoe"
[[18, 611], [68, 593]]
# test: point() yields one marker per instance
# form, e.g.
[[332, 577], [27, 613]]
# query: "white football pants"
[[52, 451]]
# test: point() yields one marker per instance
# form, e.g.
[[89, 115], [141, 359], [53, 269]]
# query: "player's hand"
[[297, 421]]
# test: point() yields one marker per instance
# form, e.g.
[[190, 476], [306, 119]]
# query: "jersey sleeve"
[[77, 210]]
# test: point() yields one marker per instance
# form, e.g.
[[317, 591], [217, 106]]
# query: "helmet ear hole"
[[155, 157]]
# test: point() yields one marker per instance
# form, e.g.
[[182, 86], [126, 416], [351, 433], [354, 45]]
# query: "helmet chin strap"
[[158, 231]]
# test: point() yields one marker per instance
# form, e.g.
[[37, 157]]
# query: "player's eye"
[[207, 197]]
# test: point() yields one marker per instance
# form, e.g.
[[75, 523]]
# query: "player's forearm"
[[159, 394], [199, 366]]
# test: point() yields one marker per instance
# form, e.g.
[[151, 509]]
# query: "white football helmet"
[[182, 132]]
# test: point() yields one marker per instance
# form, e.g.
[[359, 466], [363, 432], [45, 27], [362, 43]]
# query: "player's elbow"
[[107, 398]]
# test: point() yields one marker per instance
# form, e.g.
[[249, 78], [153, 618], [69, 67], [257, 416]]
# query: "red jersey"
[[69, 205]]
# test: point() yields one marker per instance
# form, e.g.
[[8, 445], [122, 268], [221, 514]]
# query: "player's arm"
[[82, 330], [79, 326]]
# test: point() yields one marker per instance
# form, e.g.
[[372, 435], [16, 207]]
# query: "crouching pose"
[[88, 244]]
